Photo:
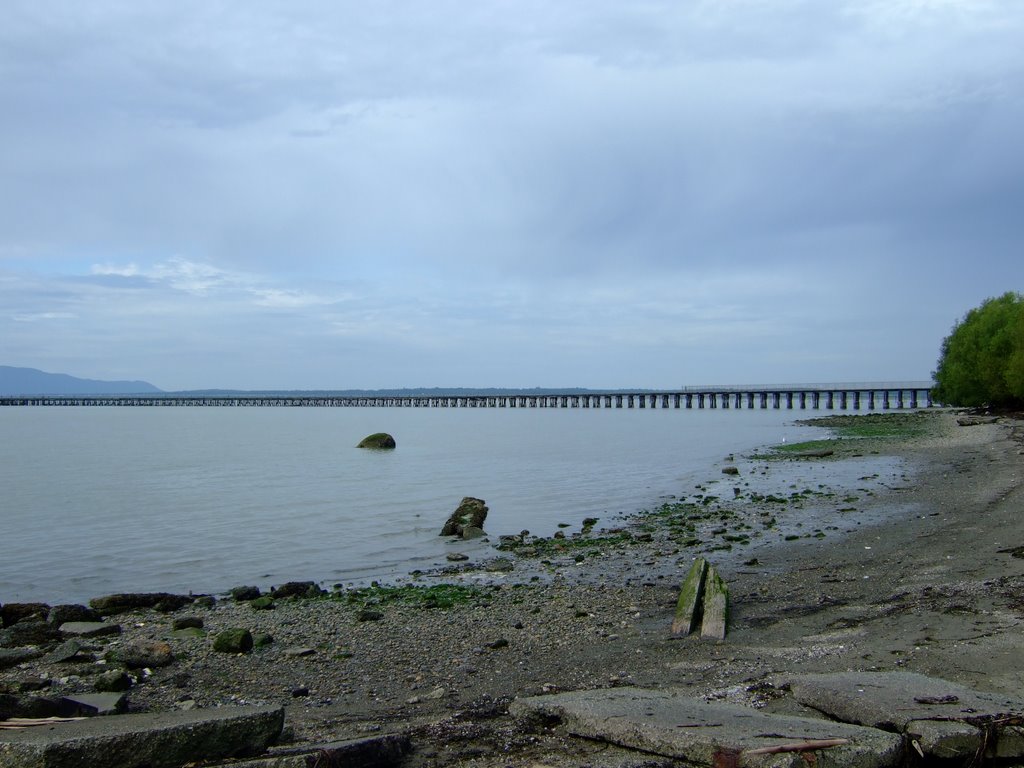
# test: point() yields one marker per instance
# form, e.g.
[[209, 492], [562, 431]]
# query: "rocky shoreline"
[[888, 554]]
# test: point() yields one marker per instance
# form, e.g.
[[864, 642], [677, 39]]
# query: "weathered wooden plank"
[[691, 594], [716, 606]]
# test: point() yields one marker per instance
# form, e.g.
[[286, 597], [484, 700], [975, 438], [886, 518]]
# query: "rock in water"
[[471, 513], [377, 440]]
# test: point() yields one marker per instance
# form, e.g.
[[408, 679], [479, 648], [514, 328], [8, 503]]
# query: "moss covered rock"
[[469, 515], [233, 641], [377, 440]]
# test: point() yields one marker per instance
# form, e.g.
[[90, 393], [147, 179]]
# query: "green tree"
[[982, 360]]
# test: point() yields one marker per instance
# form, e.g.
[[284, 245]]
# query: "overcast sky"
[[330, 194]]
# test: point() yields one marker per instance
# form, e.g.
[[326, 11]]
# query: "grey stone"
[[138, 654], [26, 706], [93, 704], [242, 594], [90, 628], [158, 740], [378, 440], [12, 613], [62, 614], [66, 651], [236, 640], [119, 603], [296, 589], [191, 633], [28, 683], [112, 681], [12, 657], [298, 652], [911, 703], [670, 723], [32, 632], [470, 513]]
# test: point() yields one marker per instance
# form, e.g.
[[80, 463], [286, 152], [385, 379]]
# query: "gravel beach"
[[891, 553]]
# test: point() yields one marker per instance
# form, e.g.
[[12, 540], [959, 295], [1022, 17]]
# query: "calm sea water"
[[99, 500]]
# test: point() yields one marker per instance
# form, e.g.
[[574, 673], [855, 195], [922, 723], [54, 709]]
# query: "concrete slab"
[[158, 740], [672, 724], [89, 629], [948, 720]]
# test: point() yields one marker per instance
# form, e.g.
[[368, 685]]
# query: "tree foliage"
[[982, 360]]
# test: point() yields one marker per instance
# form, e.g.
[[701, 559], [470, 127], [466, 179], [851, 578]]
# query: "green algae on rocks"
[[378, 440]]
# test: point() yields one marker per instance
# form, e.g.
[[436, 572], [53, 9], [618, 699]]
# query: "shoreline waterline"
[[696, 484]]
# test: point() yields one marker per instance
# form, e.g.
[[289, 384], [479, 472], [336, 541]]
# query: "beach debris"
[[730, 470], [976, 421], [378, 440], [470, 514], [33, 722], [670, 723], [945, 720], [703, 603], [821, 453]]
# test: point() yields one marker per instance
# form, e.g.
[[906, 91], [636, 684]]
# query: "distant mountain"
[[29, 381]]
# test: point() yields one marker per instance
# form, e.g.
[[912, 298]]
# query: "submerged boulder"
[[377, 440], [470, 514]]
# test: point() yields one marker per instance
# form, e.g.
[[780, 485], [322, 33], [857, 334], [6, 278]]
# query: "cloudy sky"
[[334, 194]]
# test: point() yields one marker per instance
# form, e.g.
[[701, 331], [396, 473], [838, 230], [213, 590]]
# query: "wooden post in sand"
[[716, 606], [691, 599], [703, 603]]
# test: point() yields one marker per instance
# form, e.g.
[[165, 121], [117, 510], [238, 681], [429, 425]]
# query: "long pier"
[[817, 397]]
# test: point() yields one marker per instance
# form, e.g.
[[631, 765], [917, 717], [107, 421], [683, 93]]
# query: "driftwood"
[[819, 454], [800, 746], [15, 723]]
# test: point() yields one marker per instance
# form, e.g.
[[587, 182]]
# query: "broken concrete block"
[[158, 740], [670, 723], [941, 713], [89, 628]]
